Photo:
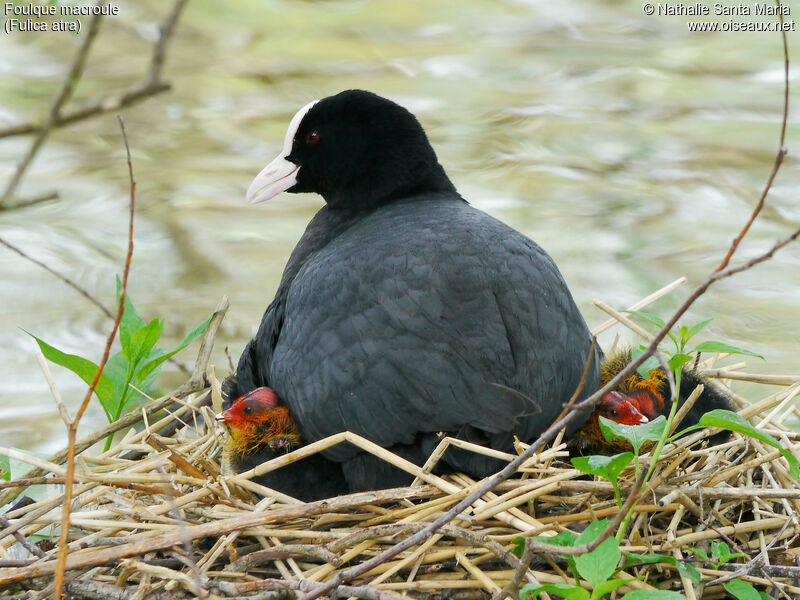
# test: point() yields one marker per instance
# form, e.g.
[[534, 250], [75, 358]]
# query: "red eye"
[[312, 137]]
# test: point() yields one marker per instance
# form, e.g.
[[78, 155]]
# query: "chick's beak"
[[223, 417]]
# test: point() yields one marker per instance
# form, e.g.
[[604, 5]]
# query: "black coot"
[[403, 311]]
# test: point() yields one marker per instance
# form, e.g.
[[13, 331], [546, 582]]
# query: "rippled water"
[[631, 149]]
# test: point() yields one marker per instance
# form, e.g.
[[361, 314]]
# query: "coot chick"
[[403, 311], [261, 428], [638, 400]]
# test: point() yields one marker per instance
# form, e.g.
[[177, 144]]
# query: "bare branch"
[[73, 426], [781, 154], [167, 29], [510, 591], [149, 86], [23, 202], [67, 90], [21, 539], [58, 275], [582, 383], [306, 551]]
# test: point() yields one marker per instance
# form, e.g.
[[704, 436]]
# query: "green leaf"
[[608, 467], [650, 363], [655, 320], [688, 570], [5, 468], [696, 552], [721, 553], [82, 367], [145, 385], [741, 590], [726, 419], [653, 595], [607, 587], [570, 592], [143, 340], [711, 346], [116, 370], [637, 435], [562, 538], [696, 328], [155, 361], [599, 564], [676, 361], [130, 322]]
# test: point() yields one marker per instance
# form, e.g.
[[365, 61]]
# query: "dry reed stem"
[[111, 509]]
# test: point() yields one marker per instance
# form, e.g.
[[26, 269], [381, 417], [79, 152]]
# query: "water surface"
[[629, 148]]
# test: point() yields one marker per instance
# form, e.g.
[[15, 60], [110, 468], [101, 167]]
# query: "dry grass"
[[154, 517]]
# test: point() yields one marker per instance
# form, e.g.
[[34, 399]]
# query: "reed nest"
[[154, 517]]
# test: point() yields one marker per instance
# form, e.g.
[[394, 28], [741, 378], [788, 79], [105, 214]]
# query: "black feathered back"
[[404, 312]]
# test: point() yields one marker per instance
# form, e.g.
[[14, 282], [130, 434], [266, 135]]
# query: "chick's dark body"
[[310, 479]]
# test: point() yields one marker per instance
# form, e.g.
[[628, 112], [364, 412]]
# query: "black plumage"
[[403, 311]]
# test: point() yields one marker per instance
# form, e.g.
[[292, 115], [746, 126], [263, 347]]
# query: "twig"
[[72, 430], [757, 561], [82, 589], [21, 539], [149, 86], [781, 154], [157, 60], [58, 275], [458, 533], [510, 591], [369, 593], [306, 551], [582, 383], [137, 547], [758, 259], [98, 106], [363, 591], [23, 202], [28, 481], [773, 570], [67, 89]]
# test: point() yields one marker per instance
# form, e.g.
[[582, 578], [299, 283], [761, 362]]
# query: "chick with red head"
[[257, 420], [638, 400], [261, 427]]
